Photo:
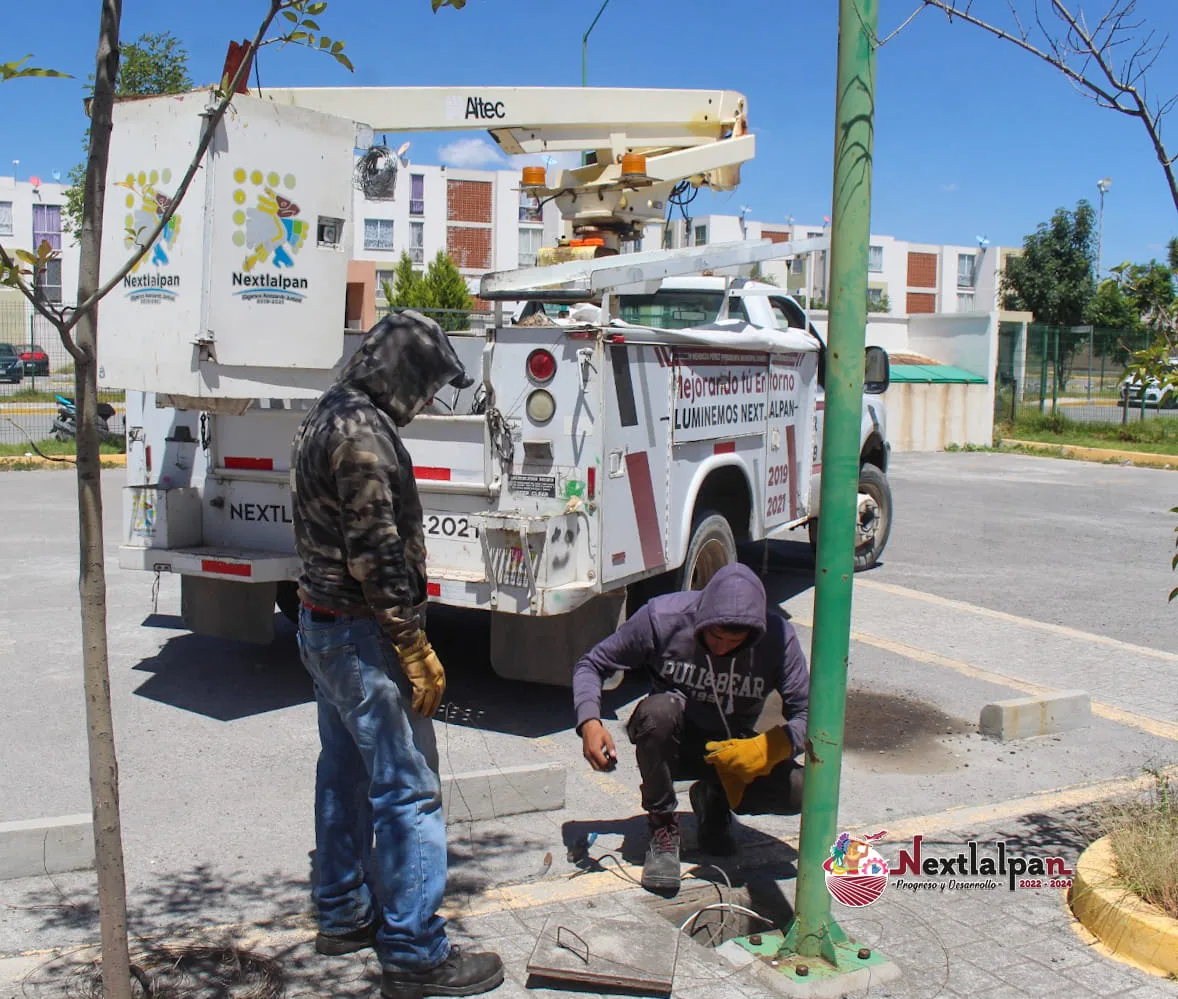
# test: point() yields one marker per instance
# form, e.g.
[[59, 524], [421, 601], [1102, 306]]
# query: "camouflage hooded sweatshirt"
[[357, 515]]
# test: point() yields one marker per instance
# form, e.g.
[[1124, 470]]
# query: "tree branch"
[[214, 119], [907, 21], [1118, 92]]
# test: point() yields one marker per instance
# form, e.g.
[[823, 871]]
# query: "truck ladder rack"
[[583, 279]]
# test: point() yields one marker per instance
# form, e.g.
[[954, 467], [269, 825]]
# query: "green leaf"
[[337, 48], [344, 61], [18, 69], [297, 36], [324, 42], [310, 25], [316, 9], [27, 257], [291, 16], [1174, 593]]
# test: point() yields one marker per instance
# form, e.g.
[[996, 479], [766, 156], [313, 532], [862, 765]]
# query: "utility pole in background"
[[585, 46]]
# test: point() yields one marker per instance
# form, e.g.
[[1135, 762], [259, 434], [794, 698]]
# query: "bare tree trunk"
[[104, 770]]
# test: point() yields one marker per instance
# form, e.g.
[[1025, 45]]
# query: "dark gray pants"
[[670, 748]]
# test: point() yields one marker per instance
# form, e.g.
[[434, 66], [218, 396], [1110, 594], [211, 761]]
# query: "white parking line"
[[1026, 622]]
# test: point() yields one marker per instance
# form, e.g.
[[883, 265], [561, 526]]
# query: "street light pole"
[[585, 46], [1102, 186]]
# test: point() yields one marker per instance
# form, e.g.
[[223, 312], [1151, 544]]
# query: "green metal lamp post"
[[814, 933], [585, 46]]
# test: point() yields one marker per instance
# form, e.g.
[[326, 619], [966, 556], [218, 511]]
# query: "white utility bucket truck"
[[624, 449]]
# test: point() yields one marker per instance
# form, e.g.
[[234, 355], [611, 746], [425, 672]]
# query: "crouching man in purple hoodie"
[[713, 656]]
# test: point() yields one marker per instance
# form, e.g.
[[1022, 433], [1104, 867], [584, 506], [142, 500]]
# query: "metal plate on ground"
[[620, 952]]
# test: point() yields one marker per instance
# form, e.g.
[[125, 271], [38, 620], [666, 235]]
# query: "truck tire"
[[287, 599], [873, 482], [712, 547]]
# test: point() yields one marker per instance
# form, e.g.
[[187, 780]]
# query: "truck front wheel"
[[873, 520]]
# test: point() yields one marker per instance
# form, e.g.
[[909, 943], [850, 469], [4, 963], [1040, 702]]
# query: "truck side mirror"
[[877, 372]]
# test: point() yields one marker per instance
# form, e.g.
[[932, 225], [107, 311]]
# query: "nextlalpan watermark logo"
[[857, 874], [146, 202], [271, 232]]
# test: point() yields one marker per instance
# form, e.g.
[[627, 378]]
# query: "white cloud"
[[949, 187], [553, 161], [470, 154]]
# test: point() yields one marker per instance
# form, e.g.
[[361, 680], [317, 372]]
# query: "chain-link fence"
[[1075, 372], [42, 370]]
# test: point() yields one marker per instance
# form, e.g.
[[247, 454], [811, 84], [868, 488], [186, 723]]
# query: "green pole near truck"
[[814, 933]]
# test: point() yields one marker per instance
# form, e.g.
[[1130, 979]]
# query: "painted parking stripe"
[[1109, 712], [1055, 629]]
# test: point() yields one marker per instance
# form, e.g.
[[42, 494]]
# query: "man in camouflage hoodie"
[[380, 835]]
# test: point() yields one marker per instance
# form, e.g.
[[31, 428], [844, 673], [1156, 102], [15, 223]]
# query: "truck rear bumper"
[[454, 588], [216, 563]]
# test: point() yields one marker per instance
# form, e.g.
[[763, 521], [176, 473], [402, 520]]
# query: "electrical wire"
[[729, 906]]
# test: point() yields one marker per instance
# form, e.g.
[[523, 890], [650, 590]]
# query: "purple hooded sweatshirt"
[[664, 638]]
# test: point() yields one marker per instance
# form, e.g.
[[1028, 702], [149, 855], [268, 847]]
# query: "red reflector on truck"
[[724, 447], [435, 474], [433, 589], [254, 464], [226, 568]]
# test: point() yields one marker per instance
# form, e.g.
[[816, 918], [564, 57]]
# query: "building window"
[[5, 218], [416, 194], [378, 234], [797, 265], [48, 283], [381, 278], [529, 208], [47, 226], [701, 235], [530, 241], [417, 242], [966, 270], [875, 259], [875, 296], [965, 301]]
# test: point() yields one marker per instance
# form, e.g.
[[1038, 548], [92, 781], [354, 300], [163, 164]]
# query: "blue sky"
[[972, 136]]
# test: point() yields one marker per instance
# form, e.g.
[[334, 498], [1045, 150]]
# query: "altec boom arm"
[[696, 135]]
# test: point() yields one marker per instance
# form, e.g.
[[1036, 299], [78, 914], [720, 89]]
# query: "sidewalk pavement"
[[999, 944]]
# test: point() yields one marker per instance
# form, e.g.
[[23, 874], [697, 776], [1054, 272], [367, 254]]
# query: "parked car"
[[1158, 394], [35, 360], [12, 369]]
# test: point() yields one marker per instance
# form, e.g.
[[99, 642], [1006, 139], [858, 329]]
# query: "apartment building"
[[904, 278], [31, 214], [479, 218]]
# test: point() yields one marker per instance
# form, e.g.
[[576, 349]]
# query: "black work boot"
[[661, 870], [346, 943], [461, 974], [713, 819]]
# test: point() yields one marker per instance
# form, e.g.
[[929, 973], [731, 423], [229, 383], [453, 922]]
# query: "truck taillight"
[[591, 484], [541, 365]]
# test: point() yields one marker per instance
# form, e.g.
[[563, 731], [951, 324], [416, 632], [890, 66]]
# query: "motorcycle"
[[65, 424]]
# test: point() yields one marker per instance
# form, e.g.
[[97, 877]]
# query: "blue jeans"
[[377, 779]]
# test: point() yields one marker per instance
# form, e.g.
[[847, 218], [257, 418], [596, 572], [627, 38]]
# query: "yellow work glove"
[[741, 761], [426, 675]]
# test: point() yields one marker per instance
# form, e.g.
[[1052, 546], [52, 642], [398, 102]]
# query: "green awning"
[[934, 373]]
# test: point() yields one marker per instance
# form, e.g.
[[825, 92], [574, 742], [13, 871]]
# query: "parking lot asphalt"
[[1001, 571]]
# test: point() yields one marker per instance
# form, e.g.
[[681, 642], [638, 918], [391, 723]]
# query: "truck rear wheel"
[[873, 524], [712, 547]]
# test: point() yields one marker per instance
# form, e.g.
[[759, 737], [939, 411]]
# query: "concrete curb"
[[19, 463], [40, 846], [493, 794], [1144, 458], [1025, 717], [1132, 930]]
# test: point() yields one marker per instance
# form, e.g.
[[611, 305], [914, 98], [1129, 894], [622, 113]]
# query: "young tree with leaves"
[[153, 64], [78, 329]]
